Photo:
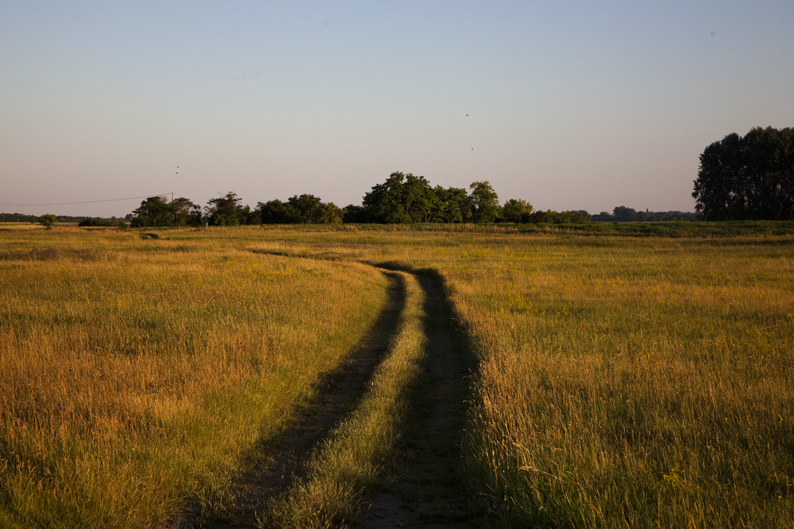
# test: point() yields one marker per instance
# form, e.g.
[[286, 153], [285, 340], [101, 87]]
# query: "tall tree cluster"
[[404, 198], [303, 209], [747, 177], [158, 212]]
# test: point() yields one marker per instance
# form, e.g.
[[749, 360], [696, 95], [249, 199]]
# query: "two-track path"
[[423, 486], [425, 489]]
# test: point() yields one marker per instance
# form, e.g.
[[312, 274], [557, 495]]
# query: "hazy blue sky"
[[570, 105]]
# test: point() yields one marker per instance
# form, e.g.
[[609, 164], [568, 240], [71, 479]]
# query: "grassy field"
[[136, 375], [625, 379], [634, 383]]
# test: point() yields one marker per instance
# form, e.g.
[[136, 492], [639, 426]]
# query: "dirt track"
[[422, 486], [425, 489]]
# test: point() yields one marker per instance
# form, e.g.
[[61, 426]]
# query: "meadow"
[[136, 375], [622, 379]]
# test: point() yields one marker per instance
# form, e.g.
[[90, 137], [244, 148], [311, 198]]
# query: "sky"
[[570, 105]]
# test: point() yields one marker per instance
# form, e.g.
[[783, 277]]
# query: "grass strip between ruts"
[[341, 469]]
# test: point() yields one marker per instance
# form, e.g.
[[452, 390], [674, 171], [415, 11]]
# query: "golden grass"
[[623, 381], [136, 374], [342, 468], [637, 384]]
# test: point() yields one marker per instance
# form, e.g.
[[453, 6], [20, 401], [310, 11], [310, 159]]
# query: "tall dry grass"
[[624, 381], [638, 383], [137, 375]]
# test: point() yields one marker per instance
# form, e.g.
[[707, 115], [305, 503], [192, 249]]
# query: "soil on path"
[[423, 486], [426, 486], [277, 462]]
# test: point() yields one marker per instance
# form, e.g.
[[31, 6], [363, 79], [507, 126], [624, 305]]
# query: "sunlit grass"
[[623, 381], [633, 385], [350, 461], [137, 374]]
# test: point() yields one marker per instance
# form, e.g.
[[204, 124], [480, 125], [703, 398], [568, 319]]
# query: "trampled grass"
[[137, 375], [341, 469]]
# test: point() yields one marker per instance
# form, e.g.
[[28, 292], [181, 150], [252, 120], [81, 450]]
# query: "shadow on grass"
[[429, 484], [274, 462]]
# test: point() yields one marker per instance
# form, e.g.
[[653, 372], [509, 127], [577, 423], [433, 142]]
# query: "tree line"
[[402, 198], [748, 177], [21, 217], [624, 214]]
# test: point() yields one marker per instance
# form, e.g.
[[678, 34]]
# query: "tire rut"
[[426, 486], [277, 462]]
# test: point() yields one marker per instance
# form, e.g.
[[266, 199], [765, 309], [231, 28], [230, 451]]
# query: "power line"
[[8, 204]]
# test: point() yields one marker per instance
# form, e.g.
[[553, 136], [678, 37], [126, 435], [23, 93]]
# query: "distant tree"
[[420, 200], [401, 198], [184, 212], [225, 211], [516, 210], [564, 217], [249, 216], [47, 220], [746, 178], [303, 209], [18, 217], [624, 214], [582, 217], [354, 214], [310, 208], [544, 217], [154, 211], [331, 214], [278, 212], [98, 221], [384, 203], [157, 212], [484, 201], [646, 216], [453, 205]]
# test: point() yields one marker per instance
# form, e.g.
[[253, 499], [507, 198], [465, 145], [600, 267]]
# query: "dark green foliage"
[[20, 217], [278, 212], [309, 207], [624, 214], [385, 203], [331, 214], [454, 205], [47, 220], [303, 209], [226, 211], [156, 212], [747, 178], [355, 214], [564, 217], [250, 217], [17, 217], [516, 210], [485, 202], [402, 198], [97, 221]]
